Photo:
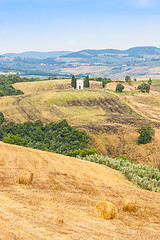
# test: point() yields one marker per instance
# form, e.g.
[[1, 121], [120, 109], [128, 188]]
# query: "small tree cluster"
[[128, 79], [105, 81], [144, 87]]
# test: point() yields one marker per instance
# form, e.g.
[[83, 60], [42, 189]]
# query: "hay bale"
[[25, 177], [106, 210], [129, 204]]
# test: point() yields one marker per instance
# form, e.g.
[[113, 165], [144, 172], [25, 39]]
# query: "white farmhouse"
[[80, 83]]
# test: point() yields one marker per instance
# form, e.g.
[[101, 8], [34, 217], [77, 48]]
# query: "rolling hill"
[[138, 62], [135, 51], [37, 55], [60, 202], [109, 120]]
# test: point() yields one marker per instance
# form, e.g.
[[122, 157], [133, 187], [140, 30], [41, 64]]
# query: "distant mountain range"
[[37, 55], [139, 62], [88, 53], [135, 51]]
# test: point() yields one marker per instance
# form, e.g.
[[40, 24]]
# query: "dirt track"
[[60, 202]]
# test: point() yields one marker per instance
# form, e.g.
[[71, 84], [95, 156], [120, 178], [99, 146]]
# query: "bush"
[[146, 134]]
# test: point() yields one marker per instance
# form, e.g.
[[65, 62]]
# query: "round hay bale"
[[25, 177], [106, 210], [129, 204]]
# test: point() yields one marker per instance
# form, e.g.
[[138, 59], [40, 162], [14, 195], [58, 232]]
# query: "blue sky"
[[49, 25]]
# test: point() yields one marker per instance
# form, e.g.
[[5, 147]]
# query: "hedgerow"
[[144, 176]]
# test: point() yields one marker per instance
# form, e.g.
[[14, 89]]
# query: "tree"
[[144, 87], [86, 81], [119, 87], [73, 82], [150, 82], [1, 118], [135, 79], [128, 79], [105, 81], [146, 134]]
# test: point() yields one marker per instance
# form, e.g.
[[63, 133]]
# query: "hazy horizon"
[[75, 50], [74, 25]]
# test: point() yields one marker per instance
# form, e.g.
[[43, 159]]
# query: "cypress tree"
[[73, 81], [86, 81]]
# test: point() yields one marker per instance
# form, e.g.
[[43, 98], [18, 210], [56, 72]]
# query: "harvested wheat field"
[[59, 203]]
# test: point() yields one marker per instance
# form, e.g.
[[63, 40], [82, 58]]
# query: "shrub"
[[146, 134]]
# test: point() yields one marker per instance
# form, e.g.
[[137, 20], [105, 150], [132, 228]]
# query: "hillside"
[[110, 121], [60, 202], [139, 62]]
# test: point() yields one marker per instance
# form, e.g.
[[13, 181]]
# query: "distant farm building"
[[80, 83], [112, 86]]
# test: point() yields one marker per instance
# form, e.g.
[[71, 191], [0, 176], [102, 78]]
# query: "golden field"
[[60, 202]]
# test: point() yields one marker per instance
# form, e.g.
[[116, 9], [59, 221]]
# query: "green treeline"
[[6, 88], [58, 137]]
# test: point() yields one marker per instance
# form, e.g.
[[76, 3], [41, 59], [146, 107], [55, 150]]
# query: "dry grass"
[[68, 189], [111, 124], [129, 204], [106, 210], [25, 177]]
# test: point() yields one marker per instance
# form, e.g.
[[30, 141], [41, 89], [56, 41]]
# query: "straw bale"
[[25, 177], [129, 204], [106, 210]]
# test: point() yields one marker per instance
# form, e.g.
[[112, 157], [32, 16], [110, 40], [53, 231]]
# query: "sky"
[[73, 25]]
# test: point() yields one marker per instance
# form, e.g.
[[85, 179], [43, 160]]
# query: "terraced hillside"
[[60, 202], [109, 120]]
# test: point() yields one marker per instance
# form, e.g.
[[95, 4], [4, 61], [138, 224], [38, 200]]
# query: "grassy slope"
[[108, 120], [67, 189]]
